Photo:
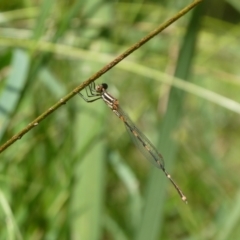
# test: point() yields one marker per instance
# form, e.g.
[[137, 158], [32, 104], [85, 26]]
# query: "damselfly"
[[140, 140]]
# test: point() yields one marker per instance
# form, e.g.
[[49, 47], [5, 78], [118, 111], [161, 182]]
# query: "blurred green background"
[[77, 175]]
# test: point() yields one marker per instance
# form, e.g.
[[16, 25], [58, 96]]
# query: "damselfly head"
[[102, 87]]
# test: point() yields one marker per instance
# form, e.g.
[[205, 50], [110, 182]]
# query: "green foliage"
[[77, 174]]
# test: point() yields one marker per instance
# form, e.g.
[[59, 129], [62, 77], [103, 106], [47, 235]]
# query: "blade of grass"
[[232, 220], [7, 17], [132, 67], [116, 231], [235, 4], [40, 28], [12, 91], [153, 215], [52, 83], [88, 196], [12, 229], [129, 179]]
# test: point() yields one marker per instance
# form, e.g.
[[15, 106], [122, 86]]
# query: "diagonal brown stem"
[[106, 68]]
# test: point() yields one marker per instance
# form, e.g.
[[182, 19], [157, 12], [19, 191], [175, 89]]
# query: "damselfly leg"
[[93, 93]]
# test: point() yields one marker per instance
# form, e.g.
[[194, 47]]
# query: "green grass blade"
[[52, 83], [12, 229], [88, 193], [115, 230], [41, 23], [153, 215], [233, 216], [11, 94], [130, 181]]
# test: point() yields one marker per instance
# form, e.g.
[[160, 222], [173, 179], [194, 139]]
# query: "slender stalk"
[[106, 68]]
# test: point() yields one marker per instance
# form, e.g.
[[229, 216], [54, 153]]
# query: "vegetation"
[[77, 174]]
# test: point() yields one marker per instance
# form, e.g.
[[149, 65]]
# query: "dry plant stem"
[[98, 74]]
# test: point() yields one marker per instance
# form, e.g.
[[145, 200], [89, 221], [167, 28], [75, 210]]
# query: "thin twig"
[[106, 68]]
